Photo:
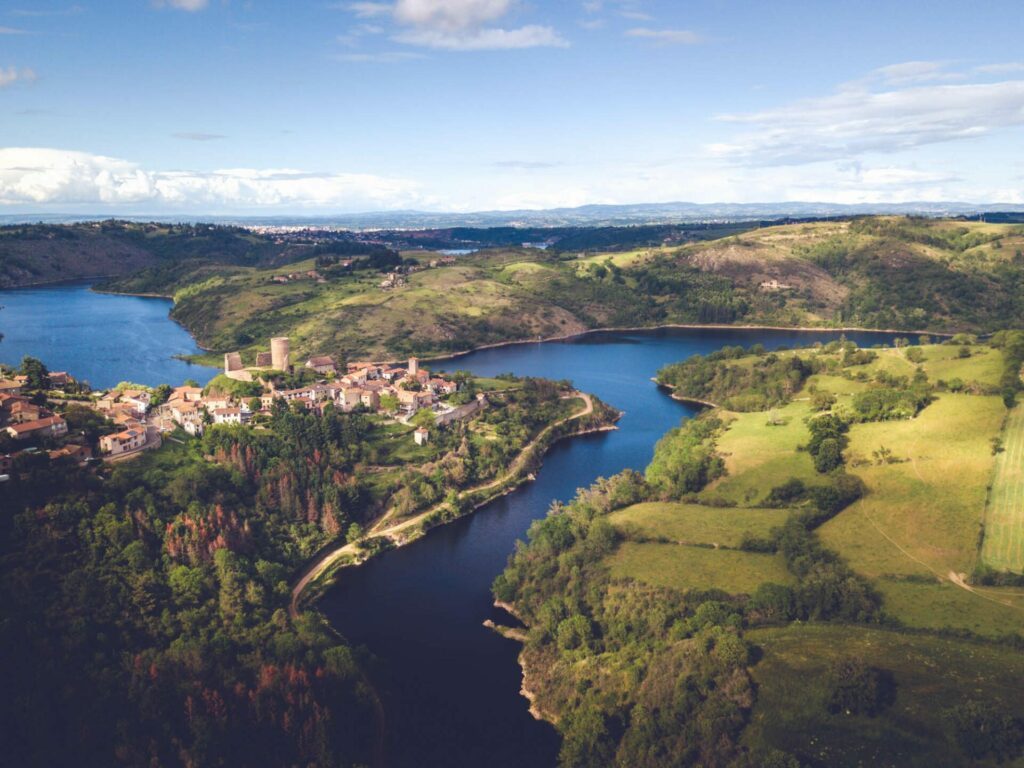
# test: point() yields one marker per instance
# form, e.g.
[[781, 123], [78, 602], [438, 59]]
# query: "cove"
[[450, 687], [97, 337]]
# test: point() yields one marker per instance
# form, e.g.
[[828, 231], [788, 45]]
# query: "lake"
[[97, 337], [450, 686]]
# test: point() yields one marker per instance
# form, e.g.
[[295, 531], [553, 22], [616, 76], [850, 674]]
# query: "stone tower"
[[279, 351], [414, 366]]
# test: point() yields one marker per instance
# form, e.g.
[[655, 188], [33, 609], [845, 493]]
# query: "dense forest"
[[146, 618]]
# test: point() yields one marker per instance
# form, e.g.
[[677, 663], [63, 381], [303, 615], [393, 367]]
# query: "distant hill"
[[587, 215], [881, 272], [32, 254]]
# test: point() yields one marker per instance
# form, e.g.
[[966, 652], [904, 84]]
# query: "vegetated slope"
[[146, 602], [39, 253], [873, 272], [670, 624], [878, 272]]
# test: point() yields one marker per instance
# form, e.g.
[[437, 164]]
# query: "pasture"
[[684, 567], [695, 523], [929, 675], [1003, 546]]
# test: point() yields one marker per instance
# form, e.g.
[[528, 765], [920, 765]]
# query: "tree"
[[388, 403], [854, 688], [160, 395], [424, 418], [354, 533], [38, 377], [829, 455]]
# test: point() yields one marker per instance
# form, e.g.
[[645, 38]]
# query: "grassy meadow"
[[1004, 519], [684, 567], [928, 675]]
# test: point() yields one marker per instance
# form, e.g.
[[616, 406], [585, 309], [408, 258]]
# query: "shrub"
[[981, 731], [854, 688]]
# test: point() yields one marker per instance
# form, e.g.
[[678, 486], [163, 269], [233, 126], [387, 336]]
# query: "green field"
[[684, 567], [930, 674], [758, 457], [1003, 547], [922, 515], [697, 524]]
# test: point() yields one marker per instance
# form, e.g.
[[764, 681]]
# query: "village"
[[137, 418]]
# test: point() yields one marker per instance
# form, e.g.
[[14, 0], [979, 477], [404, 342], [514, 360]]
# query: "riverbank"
[[319, 573], [683, 398], [682, 326]]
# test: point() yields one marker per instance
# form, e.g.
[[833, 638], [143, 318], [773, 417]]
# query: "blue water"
[[96, 337], [450, 686]]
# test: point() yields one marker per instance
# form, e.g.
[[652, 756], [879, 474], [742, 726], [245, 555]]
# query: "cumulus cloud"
[[36, 176], [459, 25], [666, 36], [11, 75], [879, 117]]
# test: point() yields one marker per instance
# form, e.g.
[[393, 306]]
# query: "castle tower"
[[279, 351], [232, 362], [414, 366]]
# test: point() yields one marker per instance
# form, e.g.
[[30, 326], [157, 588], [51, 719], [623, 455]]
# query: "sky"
[[294, 106]]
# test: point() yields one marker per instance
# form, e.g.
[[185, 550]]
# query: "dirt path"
[[315, 569]]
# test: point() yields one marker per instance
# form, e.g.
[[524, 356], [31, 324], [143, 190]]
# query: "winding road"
[[321, 564]]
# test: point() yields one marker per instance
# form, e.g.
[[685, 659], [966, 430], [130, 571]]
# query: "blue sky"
[[288, 107]]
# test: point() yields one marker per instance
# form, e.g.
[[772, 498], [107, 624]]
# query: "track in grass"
[[1003, 547]]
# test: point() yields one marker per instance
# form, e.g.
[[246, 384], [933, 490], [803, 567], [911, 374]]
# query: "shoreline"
[[683, 398], [581, 334], [317, 573], [676, 326]]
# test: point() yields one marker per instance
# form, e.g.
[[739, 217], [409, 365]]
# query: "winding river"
[[450, 686]]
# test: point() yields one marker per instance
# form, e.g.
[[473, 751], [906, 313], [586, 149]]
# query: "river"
[[450, 686], [97, 337]]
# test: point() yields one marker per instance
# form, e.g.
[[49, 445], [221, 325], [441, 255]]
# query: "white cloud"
[[368, 10], [666, 36], [184, 5], [485, 39], [198, 136], [42, 177], [857, 119], [450, 15], [912, 73], [459, 25], [71, 10], [11, 75], [11, 31], [1004, 68], [379, 57]]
